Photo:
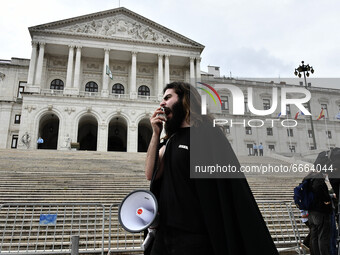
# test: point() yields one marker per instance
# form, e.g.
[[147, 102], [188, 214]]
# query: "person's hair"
[[191, 101]]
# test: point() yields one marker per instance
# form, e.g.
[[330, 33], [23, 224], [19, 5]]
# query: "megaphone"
[[138, 211]]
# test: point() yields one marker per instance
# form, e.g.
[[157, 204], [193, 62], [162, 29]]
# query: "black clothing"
[[171, 241], [226, 209], [319, 217], [179, 205], [320, 232], [321, 193]]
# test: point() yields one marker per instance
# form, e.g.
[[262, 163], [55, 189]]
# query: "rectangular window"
[[312, 147], [306, 106], [270, 131], [225, 103], [271, 147], [292, 148], [288, 109], [250, 149], [14, 143], [246, 108], [329, 134], [325, 110], [266, 104], [248, 131], [17, 119], [290, 132], [22, 85], [226, 129], [310, 133]]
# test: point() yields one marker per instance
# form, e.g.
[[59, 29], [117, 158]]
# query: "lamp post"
[[305, 69]]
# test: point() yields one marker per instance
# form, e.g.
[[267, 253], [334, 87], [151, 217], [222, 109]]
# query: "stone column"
[[69, 74], [166, 69], [102, 137], [40, 64], [192, 71], [133, 78], [77, 69], [132, 138], [31, 70], [198, 69], [160, 76], [105, 91]]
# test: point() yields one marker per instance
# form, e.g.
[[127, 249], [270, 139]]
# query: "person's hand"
[[157, 120]]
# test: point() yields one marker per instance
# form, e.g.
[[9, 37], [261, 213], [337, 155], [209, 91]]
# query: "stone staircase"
[[49, 176]]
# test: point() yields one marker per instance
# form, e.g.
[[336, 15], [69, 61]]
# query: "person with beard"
[[198, 216]]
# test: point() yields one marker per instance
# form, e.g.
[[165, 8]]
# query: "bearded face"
[[175, 117]]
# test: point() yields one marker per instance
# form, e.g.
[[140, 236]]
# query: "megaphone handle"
[[150, 236]]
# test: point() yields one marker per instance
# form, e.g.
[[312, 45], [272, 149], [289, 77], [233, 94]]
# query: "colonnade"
[[73, 75]]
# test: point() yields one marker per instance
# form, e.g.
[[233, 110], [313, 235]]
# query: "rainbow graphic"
[[208, 92], [204, 100]]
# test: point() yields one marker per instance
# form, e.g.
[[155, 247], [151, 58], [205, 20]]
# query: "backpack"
[[303, 196]]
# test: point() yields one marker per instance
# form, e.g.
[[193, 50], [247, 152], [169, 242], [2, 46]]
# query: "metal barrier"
[[35, 228], [123, 241], [285, 229]]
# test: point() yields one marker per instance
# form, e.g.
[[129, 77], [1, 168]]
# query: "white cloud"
[[270, 38]]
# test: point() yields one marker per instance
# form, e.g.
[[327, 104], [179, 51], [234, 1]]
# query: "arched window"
[[117, 89], [91, 86], [57, 84], [143, 91]]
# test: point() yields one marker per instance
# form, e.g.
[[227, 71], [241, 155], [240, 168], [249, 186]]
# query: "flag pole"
[[290, 139], [327, 133]]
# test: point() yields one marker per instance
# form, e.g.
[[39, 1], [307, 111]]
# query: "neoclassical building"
[[96, 79]]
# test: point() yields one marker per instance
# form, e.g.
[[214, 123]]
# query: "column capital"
[[78, 47], [134, 53], [167, 55], [198, 58], [192, 58], [107, 49], [34, 44], [71, 46], [42, 44]]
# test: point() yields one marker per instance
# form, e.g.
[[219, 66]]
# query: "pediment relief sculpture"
[[119, 26]]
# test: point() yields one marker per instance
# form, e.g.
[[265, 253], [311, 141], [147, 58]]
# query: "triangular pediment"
[[121, 24]]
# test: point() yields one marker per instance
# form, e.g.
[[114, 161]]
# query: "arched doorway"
[[48, 131], [144, 135], [117, 139], [87, 133]]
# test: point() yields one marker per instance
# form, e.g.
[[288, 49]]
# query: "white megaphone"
[[138, 211]]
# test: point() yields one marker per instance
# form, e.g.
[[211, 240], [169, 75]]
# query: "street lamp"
[[306, 70]]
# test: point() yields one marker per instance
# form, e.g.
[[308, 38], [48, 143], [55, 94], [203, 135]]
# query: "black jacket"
[[231, 215], [321, 193]]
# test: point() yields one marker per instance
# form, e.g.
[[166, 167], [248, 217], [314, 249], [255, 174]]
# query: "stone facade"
[[271, 130], [94, 81]]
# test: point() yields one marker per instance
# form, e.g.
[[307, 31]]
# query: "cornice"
[[111, 39]]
